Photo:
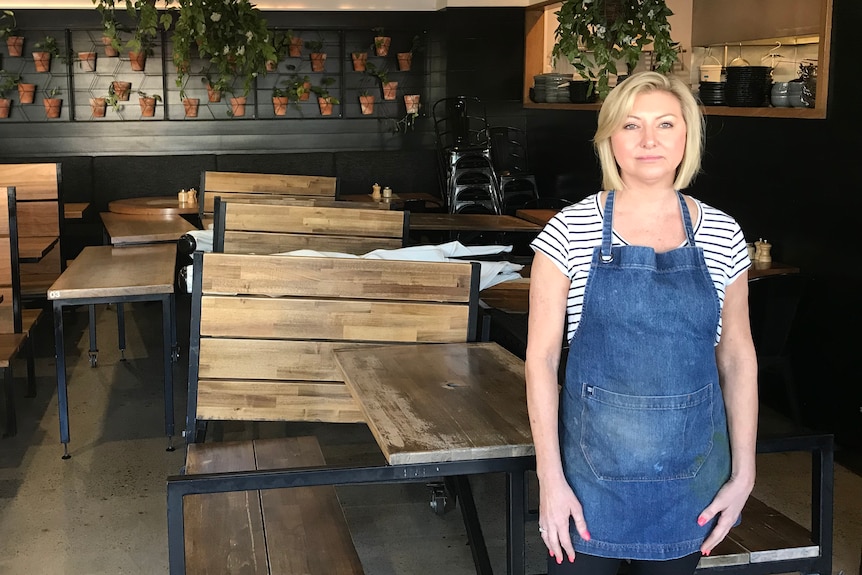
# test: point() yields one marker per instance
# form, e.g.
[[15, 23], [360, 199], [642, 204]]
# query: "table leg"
[[60, 361], [515, 515], [121, 330], [175, 349], [167, 357], [94, 351], [471, 523]]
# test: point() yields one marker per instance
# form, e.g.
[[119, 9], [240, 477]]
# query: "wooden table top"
[[130, 229], [153, 206], [430, 403], [106, 271], [514, 296], [537, 216], [75, 210], [471, 223]]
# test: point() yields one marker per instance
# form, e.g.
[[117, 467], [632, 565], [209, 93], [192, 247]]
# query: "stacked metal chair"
[[464, 156], [515, 180]]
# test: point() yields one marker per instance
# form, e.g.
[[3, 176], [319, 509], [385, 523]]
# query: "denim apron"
[[642, 422]]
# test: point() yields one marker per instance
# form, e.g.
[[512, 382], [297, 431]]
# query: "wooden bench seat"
[[275, 531]]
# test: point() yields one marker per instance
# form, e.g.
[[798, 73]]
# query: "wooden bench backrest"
[[268, 229], [10, 279], [241, 184], [39, 212], [263, 328]]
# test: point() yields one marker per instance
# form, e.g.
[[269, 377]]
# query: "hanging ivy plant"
[[594, 35]]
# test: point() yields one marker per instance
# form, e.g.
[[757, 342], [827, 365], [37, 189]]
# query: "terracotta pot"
[[271, 65], [411, 103], [306, 91], [183, 66], [42, 61], [405, 61], [279, 105], [390, 90], [366, 104], [15, 45], [87, 61], [26, 93], [138, 61], [359, 61], [5, 107], [110, 51], [52, 107], [148, 107], [191, 106], [237, 106], [325, 107], [213, 95], [99, 107], [381, 45], [122, 90], [318, 61], [294, 50]]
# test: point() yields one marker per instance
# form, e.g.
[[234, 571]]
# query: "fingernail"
[[571, 559], [701, 521], [550, 553], [706, 553], [587, 536]]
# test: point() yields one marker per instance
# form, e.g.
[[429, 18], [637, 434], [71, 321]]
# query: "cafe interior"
[[210, 421]]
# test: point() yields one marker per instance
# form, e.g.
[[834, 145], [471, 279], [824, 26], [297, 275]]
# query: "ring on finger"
[[541, 529]]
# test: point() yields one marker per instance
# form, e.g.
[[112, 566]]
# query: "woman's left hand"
[[727, 505]]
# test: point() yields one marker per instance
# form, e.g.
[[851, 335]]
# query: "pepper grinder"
[[375, 191], [762, 251]]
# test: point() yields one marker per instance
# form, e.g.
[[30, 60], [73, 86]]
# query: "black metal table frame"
[[515, 469], [822, 451], [169, 351]]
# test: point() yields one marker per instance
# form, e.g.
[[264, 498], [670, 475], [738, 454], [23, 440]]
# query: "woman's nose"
[[648, 137]]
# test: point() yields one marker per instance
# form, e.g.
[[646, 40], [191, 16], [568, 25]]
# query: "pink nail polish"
[[587, 536], [701, 521]]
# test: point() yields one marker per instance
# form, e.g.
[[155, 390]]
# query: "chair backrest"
[[263, 328], [253, 185], [39, 214], [10, 278], [459, 122], [773, 301], [509, 150], [244, 228]]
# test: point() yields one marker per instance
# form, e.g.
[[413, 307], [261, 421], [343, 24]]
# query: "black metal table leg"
[[94, 351], [515, 513], [60, 361], [167, 357], [121, 330], [472, 525]]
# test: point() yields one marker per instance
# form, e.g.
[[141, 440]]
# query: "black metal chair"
[[514, 177], [464, 156], [773, 301]]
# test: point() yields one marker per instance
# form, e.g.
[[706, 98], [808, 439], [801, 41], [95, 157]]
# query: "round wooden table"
[[153, 206]]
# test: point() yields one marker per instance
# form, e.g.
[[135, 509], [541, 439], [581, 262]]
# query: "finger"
[[706, 515], [566, 544]]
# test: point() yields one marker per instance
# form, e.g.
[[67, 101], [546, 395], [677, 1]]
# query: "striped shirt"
[[571, 235]]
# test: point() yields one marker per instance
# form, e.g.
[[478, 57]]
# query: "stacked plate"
[[712, 93], [748, 86], [552, 87]]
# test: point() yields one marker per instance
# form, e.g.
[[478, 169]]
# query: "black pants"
[[591, 565]]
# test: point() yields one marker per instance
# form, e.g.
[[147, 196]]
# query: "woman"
[[647, 452]]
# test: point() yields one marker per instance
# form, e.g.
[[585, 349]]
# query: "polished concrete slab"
[[103, 510]]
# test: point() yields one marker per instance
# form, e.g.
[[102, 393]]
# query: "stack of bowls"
[[552, 88], [780, 95], [748, 86], [794, 94], [712, 93]]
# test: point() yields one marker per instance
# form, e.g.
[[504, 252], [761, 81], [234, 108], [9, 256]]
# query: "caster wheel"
[[94, 360], [442, 500]]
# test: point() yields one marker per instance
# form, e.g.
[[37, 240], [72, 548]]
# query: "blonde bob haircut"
[[618, 105]]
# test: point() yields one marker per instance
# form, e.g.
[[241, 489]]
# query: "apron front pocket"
[[646, 438]]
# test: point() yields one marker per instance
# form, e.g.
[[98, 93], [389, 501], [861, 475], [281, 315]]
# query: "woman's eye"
[[666, 125], [630, 126]]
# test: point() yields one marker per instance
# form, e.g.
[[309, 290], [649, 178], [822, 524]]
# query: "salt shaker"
[[387, 192]]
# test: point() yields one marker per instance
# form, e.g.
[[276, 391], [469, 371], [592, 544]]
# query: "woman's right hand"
[[557, 505]]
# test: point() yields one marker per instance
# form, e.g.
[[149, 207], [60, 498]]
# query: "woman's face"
[[650, 144]]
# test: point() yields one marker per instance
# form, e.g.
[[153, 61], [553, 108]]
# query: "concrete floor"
[[103, 510]]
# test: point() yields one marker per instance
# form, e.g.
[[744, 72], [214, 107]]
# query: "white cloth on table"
[[492, 272]]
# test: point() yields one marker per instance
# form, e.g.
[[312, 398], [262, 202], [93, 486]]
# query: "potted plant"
[[366, 103], [318, 56], [52, 103], [147, 22], [281, 46], [280, 100], [110, 28], [405, 59], [120, 89], [298, 87], [381, 42], [8, 83], [325, 100], [237, 106], [43, 52], [294, 45], [26, 92], [388, 86], [411, 103], [9, 30], [148, 103], [87, 61], [360, 60], [191, 107], [594, 36], [99, 106], [232, 35], [216, 86]]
